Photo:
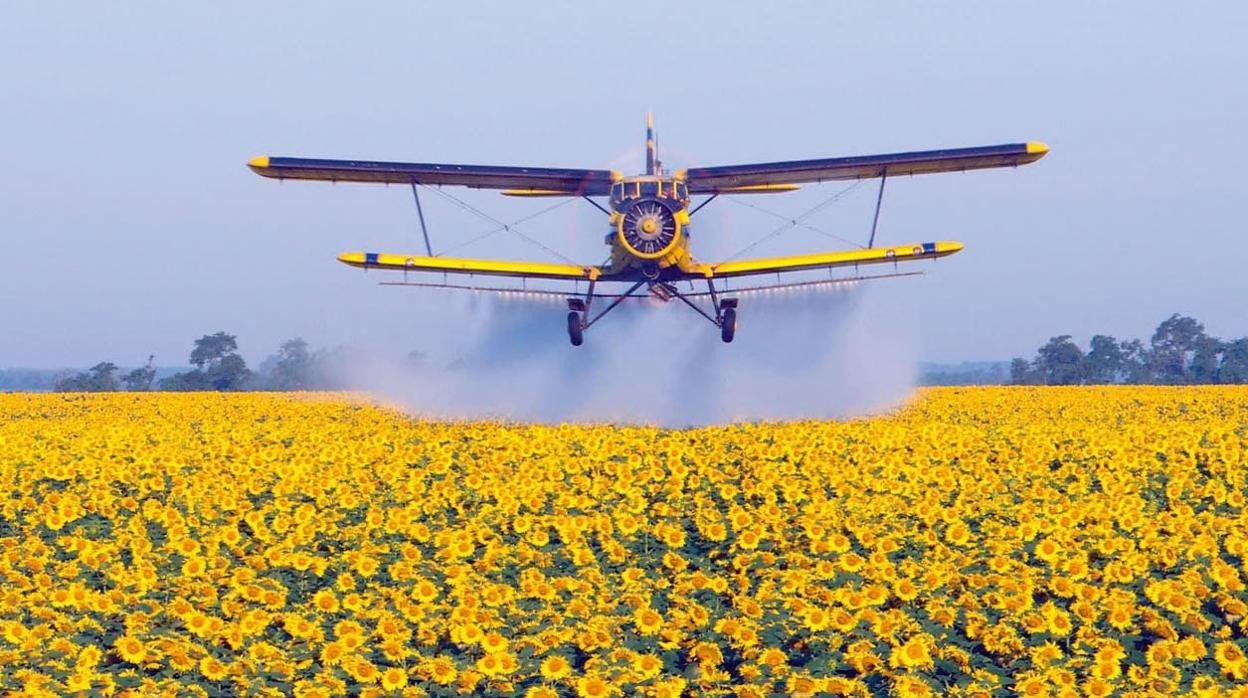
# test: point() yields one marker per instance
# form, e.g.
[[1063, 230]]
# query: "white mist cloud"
[[810, 354]]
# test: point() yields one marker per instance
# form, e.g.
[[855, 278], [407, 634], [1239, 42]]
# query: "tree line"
[[217, 366], [1179, 353]]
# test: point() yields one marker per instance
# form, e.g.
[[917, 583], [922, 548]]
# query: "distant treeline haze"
[[1179, 353], [219, 367]]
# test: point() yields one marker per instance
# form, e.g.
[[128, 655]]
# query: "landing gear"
[[576, 332], [724, 316], [579, 318], [728, 324]]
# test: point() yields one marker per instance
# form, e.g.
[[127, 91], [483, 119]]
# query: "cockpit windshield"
[[623, 191]]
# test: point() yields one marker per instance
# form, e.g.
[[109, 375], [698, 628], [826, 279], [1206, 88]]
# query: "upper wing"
[[523, 180], [822, 260], [708, 180], [459, 265]]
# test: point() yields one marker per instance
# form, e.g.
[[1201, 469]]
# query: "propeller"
[[648, 228]]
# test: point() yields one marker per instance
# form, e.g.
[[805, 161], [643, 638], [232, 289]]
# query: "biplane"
[[649, 217]]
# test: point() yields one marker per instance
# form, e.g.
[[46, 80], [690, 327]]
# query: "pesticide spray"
[[810, 354]]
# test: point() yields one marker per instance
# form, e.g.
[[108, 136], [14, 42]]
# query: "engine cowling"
[[648, 229]]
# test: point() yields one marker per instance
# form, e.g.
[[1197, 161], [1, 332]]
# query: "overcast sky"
[[131, 226]]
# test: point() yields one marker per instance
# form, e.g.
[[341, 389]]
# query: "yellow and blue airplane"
[[649, 217]]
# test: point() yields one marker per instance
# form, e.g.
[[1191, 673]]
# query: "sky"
[[131, 225]]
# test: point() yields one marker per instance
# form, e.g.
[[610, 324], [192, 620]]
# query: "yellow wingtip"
[[649, 120], [1036, 148], [351, 258], [259, 162]]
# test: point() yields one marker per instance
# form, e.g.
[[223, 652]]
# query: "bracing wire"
[[781, 216], [798, 221], [501, 226]]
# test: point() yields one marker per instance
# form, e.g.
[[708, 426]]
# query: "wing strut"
[[704, 203], [879, 198], [596, 205], [619, 299], [421, 215]]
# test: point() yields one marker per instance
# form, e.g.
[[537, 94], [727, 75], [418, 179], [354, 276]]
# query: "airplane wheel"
[[576, 333], [728, 326]]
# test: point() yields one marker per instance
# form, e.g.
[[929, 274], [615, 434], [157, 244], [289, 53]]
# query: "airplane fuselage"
[[649, 225]]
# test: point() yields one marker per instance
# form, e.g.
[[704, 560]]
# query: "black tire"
[[728, 325], [576, 333]]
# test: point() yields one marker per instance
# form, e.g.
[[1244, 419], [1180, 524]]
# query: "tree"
[[211, 348], [1173, 343], [1105, 360], [228, 373], [1234, 365], [186, 381], [292, 367], [1020, 372], [1205, 354], [217, 366], [1136, 362], [104, 376], [140, 378], [1179, 352], [101, 377], [1060, 361]]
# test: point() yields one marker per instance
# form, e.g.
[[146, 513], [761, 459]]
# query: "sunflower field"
[[977, 542]]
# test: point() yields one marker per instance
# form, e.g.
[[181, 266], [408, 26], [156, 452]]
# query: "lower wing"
[[824, 260], [460, 265]]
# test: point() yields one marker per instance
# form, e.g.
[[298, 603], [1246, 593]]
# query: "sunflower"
[[1049, 551], [443, 672], [1097, 687], [905, 589], [492, 665], [647, 621], [361, 669], [1232, 660], [213, 669], [493, 643], [816, 619], [1120, 618], [325, 601], [648, 666], [912, 654], [332, 653], [555, 667], [1058, 622], [425, 591], [773, 657], [593, 687], [130, 649]]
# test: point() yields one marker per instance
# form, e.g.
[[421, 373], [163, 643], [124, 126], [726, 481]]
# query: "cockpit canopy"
[[650, 188]]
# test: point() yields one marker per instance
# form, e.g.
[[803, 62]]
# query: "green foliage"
[[1173, 344], [1178, 353], [139, 378], [296, 367], [1234, 365], [217, 366], [292, 367], [1060, 362], [101, 377], [1105, 361], [212, 348]]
